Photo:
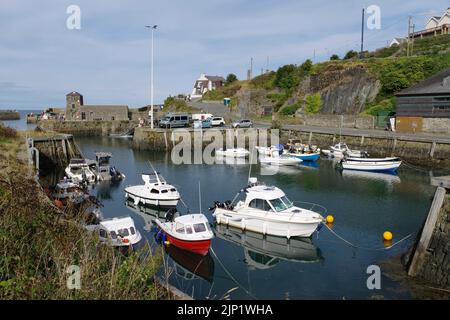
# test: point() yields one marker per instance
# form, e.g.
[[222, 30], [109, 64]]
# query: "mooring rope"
[[231, 276], [366, 248]]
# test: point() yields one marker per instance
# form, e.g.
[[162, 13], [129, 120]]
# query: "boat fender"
[[159, 236], [164, 238]]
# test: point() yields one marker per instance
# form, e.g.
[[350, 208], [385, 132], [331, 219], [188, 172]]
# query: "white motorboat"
[[376, 166], [116, 232], [79, 171], [269, 151], [67, 192], [233, 153], [267, 210], [341, 150], [155, 192]]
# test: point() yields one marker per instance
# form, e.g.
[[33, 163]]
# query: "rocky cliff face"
[[343, 90]]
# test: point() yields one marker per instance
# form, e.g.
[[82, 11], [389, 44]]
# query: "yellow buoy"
[[387, 236], [167, 243], [330, 219]]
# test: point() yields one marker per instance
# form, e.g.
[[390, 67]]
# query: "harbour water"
[[364, 206], [324, 267]]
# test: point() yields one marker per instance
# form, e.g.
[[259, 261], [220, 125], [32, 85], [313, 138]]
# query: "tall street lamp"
[[153, 28]]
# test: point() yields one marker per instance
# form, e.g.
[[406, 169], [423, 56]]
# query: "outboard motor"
[[170, 215]]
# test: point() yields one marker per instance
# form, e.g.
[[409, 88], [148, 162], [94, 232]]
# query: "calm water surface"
[[324, 267]]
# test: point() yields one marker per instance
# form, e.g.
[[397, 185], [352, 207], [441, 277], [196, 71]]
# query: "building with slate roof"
[[426, 105]]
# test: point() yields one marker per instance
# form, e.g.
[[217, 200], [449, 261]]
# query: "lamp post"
[[153, 28]]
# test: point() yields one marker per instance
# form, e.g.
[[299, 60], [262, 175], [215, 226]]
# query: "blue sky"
[[108, 59]]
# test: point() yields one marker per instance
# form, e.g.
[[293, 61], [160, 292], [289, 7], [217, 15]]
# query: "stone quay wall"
[[87, 128]]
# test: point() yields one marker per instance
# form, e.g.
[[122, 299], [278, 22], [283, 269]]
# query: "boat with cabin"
[[154, 192], [267, 210], [103, 169], [190, 232], [341, 150], [116, 232], [66, 192], [79, 171]]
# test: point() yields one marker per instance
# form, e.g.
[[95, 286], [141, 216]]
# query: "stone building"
[[425, 106], [77, 110]]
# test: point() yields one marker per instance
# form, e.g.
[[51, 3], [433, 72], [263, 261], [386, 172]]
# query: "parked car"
[[201, 116], [203, 124], [242, 124], [174, 120], [217, 122]]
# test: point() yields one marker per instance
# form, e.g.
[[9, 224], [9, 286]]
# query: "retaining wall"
[[84, 127]]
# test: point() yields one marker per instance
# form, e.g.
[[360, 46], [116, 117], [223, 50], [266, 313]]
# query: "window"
[[184, 118], [113, 234], [260, 204], [123, 232], [103, 233], [133, 232], [83, 116], [154, 191], [179, 227], [279, 205], [73, 105], [164, 191], [188, 229], [177, 118], [199, 227], [173, 190]]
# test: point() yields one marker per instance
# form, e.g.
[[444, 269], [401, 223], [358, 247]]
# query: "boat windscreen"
[[279, 205], [153, 179]]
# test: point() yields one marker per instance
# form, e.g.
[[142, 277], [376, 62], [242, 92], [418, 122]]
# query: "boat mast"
[[200, 196]]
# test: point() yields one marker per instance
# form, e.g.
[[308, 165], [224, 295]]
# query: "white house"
[[436, 25], [397, 41], [206, 83]]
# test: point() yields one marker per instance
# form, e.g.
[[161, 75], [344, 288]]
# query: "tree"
[[230, 79], [334, 57], [286, 77], [313, 103], [350, 55], [306, 66]]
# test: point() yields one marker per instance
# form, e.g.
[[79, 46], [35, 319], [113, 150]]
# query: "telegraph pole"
[[362, 34], [409, 37], [153, 28]]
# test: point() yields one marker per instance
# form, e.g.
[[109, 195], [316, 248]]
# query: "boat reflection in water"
[[149, 214], [191, 266], [374, 176], [219, 159], [264, 252]]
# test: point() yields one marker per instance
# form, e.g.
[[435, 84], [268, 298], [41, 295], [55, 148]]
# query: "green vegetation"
[[290, 109], [226, 91], [313, 103], [278, 99], [230, 79], [174, 104], [40, 242], [350, 55], [385, 105], [334, 57]]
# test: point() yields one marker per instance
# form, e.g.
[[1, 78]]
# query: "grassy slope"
[[38, 243], [390, 66]]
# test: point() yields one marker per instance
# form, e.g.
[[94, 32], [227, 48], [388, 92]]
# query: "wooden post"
[[433, 148], [310, 137], [427, 232], [362, 140]]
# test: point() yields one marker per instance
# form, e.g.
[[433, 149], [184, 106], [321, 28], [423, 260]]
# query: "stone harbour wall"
[[87, 128]]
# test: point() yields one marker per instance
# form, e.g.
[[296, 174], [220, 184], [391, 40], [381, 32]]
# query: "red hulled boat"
[[190, 232]]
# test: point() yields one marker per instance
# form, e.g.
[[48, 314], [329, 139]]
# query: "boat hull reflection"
[[189, 265], [264, 252]]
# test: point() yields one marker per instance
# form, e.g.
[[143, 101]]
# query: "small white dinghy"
[[341, 150], [280, 161], [389, 165], [155, 192], [116, 232], [233, 153]]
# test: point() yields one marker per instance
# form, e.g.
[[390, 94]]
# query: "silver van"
[[175, 120]]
